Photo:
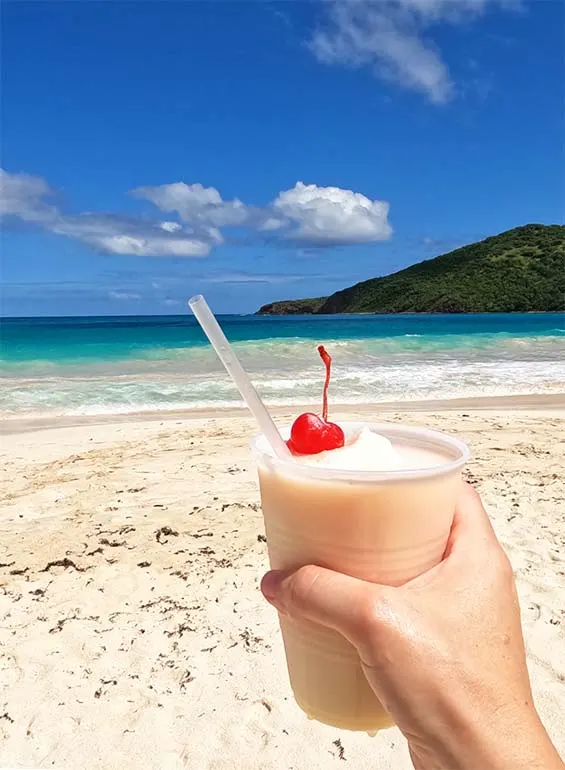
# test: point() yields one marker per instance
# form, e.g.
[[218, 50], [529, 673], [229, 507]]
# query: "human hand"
[[444, 653]]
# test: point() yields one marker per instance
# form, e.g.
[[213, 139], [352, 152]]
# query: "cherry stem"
[[326, 358]]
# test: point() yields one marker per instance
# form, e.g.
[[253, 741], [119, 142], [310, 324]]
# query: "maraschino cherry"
[[311, 434]]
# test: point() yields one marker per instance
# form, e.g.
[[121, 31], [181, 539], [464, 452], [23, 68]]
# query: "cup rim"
[[426, 437]]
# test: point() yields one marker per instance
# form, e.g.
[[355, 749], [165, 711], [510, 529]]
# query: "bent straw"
[[213, 331]]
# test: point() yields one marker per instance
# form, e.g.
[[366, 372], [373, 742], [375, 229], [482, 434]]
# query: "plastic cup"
[[384, 527]]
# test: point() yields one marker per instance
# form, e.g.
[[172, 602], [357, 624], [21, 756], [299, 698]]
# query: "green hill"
[[519, 270], [293, 307]]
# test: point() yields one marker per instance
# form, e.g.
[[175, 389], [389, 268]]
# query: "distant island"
[[520, 270]]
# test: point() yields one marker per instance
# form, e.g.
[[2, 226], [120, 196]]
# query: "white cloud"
[[120, 235], [269, 278], [318, 215], [251, 278], [389, 37], [269, 224], [330, 215], [124, 296], [195, 204], [153, 247], [170, 227], [23, 196], [306, 213]]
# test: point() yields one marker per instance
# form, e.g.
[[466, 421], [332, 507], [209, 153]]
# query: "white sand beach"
[[132, 630]]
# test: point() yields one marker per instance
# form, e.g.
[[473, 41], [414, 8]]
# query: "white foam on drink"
[[365, 451]]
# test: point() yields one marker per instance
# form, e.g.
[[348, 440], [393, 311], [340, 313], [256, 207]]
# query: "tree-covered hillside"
[[519, 270]]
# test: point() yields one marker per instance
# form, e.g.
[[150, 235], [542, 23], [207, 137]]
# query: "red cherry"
[[310, 435]]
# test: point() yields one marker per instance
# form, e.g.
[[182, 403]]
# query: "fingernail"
[[270, 586]]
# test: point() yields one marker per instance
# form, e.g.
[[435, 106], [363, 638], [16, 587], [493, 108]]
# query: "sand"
[[132, 630]]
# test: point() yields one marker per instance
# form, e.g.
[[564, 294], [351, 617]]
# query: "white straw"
[[213, 331]]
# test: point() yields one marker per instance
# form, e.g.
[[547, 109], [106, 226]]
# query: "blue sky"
[[259, 151]]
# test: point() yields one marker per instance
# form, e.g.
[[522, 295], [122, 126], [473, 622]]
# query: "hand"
[[444, 653]]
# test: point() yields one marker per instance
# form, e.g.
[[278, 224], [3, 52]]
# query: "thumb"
[[472, 532], [331, 599]]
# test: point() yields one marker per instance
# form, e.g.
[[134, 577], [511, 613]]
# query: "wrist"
[[510, 737]]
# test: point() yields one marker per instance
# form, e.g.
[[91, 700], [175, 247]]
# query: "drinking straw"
[[213, 331]]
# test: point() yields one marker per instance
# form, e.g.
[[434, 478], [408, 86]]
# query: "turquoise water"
[[127, 364]]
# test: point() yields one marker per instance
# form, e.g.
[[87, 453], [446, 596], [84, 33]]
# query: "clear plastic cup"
[[384, 527]]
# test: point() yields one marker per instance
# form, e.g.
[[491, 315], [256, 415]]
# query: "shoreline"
[[283, 315], [539, 403], [400, 313]]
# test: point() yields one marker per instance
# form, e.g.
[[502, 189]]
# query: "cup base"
[[371, 726]]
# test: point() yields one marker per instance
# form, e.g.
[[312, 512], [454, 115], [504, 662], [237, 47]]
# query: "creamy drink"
[[379, 508], [372, 501]]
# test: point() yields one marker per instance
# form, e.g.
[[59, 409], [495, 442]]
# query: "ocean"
[[120, 365]]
